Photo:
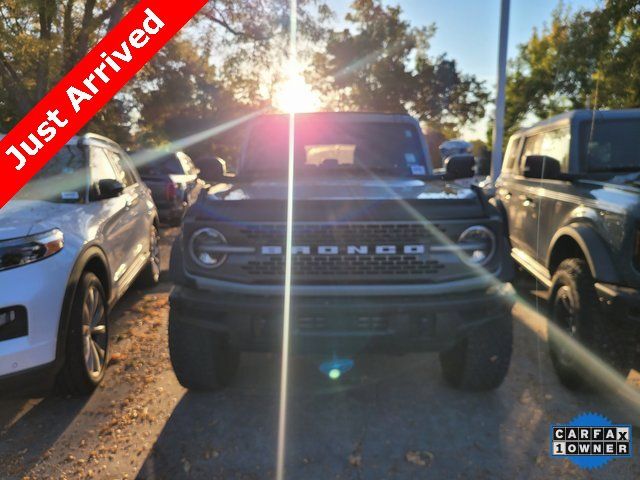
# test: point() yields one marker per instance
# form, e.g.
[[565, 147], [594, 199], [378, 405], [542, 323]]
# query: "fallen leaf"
[[117, 358], [422, 459]]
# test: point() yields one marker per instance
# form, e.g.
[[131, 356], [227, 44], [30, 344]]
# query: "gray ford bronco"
[[570, 190], [387, 256]]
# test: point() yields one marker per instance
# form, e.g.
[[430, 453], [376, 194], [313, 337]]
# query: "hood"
[[617, 194], [343, 189], [628, 183], [20, 218], [347, 199]]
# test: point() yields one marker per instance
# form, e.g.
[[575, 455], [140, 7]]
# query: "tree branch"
[[217, 17], [14, 86]]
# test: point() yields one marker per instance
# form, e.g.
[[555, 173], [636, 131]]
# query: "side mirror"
[[109, 188], [460, 166], [541, 167], [212, 169]]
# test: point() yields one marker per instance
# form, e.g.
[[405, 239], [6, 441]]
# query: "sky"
[[467, 30]]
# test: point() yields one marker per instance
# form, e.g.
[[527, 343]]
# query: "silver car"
[[71, 243]]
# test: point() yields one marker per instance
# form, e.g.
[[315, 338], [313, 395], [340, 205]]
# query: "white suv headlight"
[[479, 244], [207, 248], [22, 251]]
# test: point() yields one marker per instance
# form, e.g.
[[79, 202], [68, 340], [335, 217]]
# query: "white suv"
[[71, 243]]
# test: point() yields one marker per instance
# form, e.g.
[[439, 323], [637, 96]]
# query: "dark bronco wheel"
[[202, 360], [575, 312], [481, 360]]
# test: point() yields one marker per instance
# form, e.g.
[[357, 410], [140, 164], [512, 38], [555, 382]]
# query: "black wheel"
[[202, 360], [150, 275], [575, 312], [87, 343], [481, 360]]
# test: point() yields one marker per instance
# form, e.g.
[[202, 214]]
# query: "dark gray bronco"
[[570, 192], [386, 256]]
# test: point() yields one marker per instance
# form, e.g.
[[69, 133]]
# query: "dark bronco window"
[[610, 145], [336, 148]]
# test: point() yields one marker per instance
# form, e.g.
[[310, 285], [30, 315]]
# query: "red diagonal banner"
[[88, 87]]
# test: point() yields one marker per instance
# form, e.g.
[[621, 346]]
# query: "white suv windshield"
[[62, 179]]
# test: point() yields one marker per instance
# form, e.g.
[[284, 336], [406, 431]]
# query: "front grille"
[[353, 233], [346, 265], [342, 266]]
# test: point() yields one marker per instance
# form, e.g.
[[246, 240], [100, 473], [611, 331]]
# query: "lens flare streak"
[[284, 368]]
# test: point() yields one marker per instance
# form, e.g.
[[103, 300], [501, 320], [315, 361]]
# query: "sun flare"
[[295, 95]]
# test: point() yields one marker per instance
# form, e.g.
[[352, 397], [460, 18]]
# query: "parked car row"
[[72, 242], [388, 255]]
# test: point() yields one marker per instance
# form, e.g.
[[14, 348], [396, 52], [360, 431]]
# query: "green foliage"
[[586, 59], [41, 40], [226, 62], [380, 63]]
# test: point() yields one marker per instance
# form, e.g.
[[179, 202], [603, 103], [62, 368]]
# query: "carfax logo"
[[590, 440]]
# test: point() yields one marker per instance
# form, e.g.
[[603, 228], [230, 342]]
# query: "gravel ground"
[[390, 417]]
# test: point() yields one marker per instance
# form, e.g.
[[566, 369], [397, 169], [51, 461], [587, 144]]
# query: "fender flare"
[[502, 211], [88, 253], [595, 251]]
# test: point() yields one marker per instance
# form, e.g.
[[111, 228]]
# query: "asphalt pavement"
[[391, 417]]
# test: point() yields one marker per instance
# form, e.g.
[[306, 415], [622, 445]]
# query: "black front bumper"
[[341, 324]]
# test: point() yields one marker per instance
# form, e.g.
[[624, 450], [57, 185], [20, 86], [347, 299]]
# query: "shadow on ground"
[[364, 425]]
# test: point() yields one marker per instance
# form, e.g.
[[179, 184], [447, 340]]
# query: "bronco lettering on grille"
[[346, 250]]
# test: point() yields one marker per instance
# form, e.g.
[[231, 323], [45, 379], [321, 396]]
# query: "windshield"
[[168, 164], [324, 146], [62, 179], [610, 145]]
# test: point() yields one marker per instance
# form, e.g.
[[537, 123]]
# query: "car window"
[[62, 179], [323, 146], [186, 163], [610, 145], [531, 147], [168, 164], [128, 166], [512, 154], [124, 171], [555, 144], [101, 166]]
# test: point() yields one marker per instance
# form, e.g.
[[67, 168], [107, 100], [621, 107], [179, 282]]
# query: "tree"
[[586, 59], [380, 63], [41, 40]]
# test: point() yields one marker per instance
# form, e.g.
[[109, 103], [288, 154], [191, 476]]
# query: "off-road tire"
[[573, 288], [481, 360], [202, 360], [74, 377]]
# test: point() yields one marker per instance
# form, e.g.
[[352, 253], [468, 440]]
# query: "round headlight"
[[478, 243], [204, 248]]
